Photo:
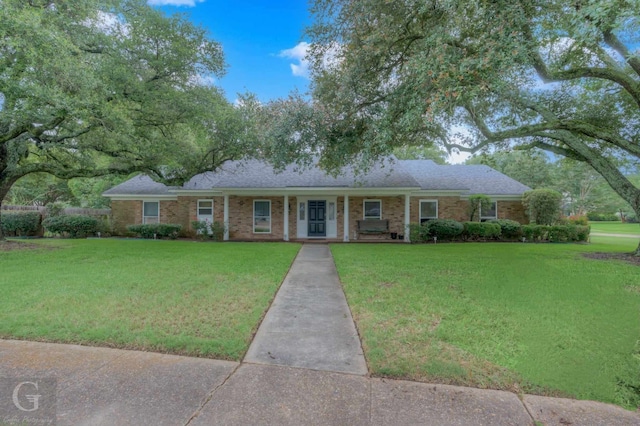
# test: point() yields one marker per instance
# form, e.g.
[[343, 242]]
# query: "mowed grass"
[[538, 318], [615, 227], [199, 299]]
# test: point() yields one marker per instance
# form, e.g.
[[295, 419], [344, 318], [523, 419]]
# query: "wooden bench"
[[373, 226]]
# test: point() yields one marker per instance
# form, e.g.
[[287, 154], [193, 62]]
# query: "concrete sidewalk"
[[309, 324], [99, 386]]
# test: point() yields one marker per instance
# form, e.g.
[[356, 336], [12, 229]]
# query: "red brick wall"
[[241, 218], [513, 210]]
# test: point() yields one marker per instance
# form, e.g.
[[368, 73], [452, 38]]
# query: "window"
[[372, 209], [150, 212], [488, 214], [205, 209], [428, 210], [301, 214], [332, 211], [261, 216]]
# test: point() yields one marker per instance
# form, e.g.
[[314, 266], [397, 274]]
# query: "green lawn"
[[201, 299], [534, 317], [615, 227]]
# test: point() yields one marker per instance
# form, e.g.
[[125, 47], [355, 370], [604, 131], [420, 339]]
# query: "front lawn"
[[201, 299], [615, 227], [534, 317]]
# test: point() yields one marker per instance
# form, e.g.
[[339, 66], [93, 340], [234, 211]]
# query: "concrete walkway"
[[309, 324], [604, 234], [99, 386]]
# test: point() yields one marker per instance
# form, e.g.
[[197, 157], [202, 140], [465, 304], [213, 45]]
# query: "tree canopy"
[[96, 87], [554, 75]]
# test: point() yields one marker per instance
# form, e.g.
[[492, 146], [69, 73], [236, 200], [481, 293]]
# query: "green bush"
[[480, 231], [20, 224], [582, 232], [54, 209], [419, 232], [556, 233], [509, 229], [212, 231], [602, 217], [444, 229], [156, 230], [542, 206], [73, 226]]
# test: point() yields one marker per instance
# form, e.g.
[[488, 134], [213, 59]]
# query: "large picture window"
[[428, 210], [150, 212], [372, 209], [490, 213], [261, 216]]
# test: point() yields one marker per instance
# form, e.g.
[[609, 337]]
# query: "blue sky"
[[262, 42]]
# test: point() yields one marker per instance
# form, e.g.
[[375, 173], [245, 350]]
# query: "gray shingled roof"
[[140, 185], [476, 179], [257, 174], [418, 174]]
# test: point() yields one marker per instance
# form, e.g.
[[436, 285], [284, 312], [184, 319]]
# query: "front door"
[[317, 220]]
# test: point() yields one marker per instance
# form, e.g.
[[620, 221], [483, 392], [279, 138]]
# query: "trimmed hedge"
[[603, 217], [480, 231], [509, 229], [21, 224], [157, 230], [556, 233], [73, 226], [443, 229]]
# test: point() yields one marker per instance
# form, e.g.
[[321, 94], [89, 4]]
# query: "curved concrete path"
[[309, 324]]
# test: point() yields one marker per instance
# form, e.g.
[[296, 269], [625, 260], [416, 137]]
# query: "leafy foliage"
[[212, 231], [542, 206], [74, 226], [477, 202], [509, 229], [557, 77], [444, 229], [480, 231], [156, 230], [21, 224]]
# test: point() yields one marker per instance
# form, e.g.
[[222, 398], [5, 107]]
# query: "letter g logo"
[[33, 399]]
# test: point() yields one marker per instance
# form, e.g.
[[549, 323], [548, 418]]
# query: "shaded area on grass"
[[627, 257], [536, 317], [177, 297]]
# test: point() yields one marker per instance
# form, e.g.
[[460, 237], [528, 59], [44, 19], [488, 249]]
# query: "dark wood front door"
[[317, 220]]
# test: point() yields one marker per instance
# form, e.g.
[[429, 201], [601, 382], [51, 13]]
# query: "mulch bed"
[[627, 257]]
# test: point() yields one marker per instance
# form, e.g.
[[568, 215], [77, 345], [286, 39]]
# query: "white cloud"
[[298, 53], [189, 3]]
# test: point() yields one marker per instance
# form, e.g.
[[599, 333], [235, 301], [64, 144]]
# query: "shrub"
[[157, 230], [509, 229], [54, 209], [74, 226], [578, 220], [535, 232], [20, 224], [480, 230], [542, 205], [582, 232], [444, 229], [419, 232], [602, 217], [213, 231], [562, 233]]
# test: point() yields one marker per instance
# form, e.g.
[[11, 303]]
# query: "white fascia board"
[[325, 191], [434, 193], [145, 197], [197, 193], [504, 197]]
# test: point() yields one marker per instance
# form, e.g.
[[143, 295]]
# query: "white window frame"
[[482, 217], [144, 218], [254, 217], [212, 207], [364, 210], [428, 201]]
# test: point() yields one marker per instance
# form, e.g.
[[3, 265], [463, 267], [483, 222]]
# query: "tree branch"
[[615, 43]]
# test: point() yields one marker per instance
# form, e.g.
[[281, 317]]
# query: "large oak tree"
[[96, 87], [562, 76]]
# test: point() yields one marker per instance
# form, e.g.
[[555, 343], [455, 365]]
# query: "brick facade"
[[184, 210]]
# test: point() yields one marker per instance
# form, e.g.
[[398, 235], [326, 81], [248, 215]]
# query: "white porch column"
[[286, 218], [346, 218], [407, 216], [226, 218]]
